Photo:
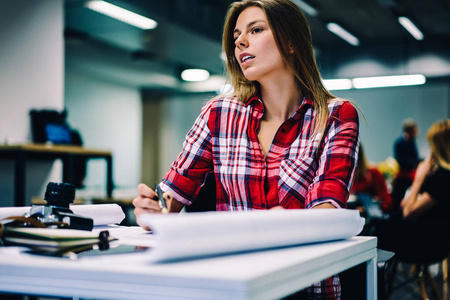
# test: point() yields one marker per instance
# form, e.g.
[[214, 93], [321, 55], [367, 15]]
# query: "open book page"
[[179, 236]]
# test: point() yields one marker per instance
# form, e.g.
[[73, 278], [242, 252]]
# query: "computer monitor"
[[58, 134]]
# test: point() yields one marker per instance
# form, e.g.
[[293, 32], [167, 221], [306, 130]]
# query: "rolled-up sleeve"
[[338, 158], [187, 173]]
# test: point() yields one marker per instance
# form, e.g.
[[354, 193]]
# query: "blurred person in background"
[[407, 156], [429, 195], [370, 181], [421, 232]]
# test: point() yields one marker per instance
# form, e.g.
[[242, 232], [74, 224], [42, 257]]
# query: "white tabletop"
[[269, 274]]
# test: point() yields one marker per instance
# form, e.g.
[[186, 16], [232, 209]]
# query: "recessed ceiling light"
[[411, 28], [343, 34], [306, 8], [121, 14], [195, 75]]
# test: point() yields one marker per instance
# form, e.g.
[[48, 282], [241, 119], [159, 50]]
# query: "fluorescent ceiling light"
[[121, 14], [386, 81], [412, 29], [195, 75], [337, 84], [306, 8], [343, 34]]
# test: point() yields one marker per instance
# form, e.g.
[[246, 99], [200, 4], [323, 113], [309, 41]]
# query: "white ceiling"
[[189, 34]]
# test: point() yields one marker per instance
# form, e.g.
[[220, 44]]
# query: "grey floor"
[[411, 290]]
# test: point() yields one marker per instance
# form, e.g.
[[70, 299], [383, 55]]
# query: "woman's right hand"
[[147, 202], [424, 168]]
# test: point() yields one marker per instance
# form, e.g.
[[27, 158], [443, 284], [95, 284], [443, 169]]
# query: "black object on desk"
[[57, 211], [67, 153]]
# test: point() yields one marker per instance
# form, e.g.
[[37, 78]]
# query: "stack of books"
[[55, 242]]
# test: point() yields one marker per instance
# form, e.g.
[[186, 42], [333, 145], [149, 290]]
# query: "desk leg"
[[109, 176], [19, 180], [69, 169], [371, 275]]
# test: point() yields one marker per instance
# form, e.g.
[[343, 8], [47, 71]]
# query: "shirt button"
[[283, 130], [263, 205]]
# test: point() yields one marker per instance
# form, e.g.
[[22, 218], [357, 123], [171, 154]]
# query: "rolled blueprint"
[[195, 235]]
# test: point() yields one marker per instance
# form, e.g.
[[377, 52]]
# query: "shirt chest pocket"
[[296, 176]]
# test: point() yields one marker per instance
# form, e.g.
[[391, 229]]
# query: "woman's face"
[[255, 47]]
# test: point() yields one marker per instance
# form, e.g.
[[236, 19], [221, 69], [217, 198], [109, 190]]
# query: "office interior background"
[[122, 89]]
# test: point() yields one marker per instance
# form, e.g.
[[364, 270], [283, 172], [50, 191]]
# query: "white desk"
[[258, 275]]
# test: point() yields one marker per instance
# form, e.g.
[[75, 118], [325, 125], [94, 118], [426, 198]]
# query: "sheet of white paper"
[[212, 233], [102, 214], [129, 235]]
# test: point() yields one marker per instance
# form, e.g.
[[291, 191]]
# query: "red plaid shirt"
[[297, 172]]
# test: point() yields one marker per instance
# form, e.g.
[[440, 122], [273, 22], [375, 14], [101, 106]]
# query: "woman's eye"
[[257, 29]]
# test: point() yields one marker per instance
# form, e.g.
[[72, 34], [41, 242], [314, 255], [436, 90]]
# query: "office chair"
[[420, 243], [206, 198]]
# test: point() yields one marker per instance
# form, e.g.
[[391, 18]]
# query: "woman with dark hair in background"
[[281, 140], [370, 181]]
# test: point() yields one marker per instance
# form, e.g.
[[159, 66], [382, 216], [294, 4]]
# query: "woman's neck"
[[281, 98]]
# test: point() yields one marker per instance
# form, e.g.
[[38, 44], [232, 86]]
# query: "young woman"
[[281, 140], [429, 196]]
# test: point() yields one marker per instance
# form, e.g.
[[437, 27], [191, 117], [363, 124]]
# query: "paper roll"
[[212, 233]]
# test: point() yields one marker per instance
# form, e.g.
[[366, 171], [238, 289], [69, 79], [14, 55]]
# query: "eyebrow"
[[249, 25]]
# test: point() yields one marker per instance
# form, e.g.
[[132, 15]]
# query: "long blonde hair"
[[291, 33], [438, 136]]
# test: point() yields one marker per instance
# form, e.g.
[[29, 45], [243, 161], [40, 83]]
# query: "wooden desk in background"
[[68, 155]]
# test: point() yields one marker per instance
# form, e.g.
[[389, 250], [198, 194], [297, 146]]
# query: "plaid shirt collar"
[[258, 105]]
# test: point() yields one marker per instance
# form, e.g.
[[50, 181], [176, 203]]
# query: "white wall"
[[179, 114], [31, 76], [108, 116], [386, 108]]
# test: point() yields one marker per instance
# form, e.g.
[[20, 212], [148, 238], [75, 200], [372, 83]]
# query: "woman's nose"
[[241, 42]]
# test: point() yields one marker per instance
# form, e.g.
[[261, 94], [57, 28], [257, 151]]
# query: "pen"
[[162, 201]]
